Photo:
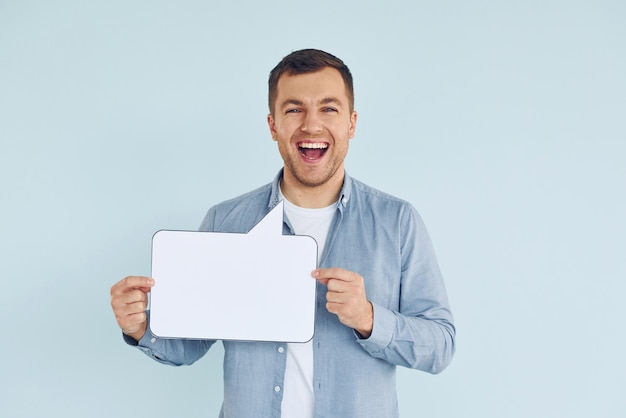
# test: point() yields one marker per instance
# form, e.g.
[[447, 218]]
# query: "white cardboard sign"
[[251, 287]]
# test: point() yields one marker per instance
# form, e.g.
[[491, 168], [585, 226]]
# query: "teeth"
[[313, 145]]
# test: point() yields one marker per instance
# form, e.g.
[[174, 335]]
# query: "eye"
[[329, 109], [292, 111]]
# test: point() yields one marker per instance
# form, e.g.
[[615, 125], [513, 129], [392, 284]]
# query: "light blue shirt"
[[384, 240]]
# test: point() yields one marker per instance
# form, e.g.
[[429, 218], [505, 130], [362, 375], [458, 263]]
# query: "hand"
[[129, 300], [346, 298]]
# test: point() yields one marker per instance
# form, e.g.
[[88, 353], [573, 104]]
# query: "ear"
[[271, 123], [352, 129]]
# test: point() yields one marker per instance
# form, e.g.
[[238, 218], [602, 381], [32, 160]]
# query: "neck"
[[312, 197]]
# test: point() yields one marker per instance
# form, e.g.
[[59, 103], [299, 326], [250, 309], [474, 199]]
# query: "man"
[[381, 301]]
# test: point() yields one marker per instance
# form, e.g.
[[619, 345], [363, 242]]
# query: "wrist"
[[365, 329], [137, 335]]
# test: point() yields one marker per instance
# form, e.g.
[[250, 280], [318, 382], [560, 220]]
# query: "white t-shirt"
[[298, 395]]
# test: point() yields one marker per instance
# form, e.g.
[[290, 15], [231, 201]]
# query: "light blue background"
[[502, 122]]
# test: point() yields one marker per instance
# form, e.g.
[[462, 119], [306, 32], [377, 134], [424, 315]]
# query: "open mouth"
[[312, 150]]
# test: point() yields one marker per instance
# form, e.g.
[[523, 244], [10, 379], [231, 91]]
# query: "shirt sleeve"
[[174, 351], [421, 335], [170, 351]]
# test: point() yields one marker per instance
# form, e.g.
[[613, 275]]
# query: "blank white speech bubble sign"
[[250, 287]]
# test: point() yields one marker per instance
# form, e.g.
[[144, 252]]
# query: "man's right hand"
[[129, 300]]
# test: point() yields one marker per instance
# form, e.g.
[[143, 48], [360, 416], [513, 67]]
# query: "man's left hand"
[[346, 298]]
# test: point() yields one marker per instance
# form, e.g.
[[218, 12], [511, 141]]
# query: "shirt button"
[[281, 349], [344, 201], [153, 340], [276, 389]]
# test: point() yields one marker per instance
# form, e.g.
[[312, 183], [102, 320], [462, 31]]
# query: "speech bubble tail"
[[272, 223]]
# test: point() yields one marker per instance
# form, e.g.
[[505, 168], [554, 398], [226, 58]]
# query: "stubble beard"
[[305, 180]]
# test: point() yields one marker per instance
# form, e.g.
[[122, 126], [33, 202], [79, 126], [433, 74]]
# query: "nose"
[[311, 124]]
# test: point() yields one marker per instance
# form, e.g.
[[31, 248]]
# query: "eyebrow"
[[296, 102]]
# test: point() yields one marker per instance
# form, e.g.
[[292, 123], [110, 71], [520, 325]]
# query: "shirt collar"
[[342, 202]]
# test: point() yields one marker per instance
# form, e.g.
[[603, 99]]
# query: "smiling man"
[[313, 120], [381, 300]]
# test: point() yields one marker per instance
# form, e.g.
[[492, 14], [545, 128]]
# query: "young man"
[[381, 301]]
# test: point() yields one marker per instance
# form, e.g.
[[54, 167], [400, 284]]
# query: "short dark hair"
[[308, 61]]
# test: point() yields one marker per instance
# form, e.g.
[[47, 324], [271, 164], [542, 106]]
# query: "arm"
[[170, 351], [421, 341], [416, 342], [420, 334], [346, 298], [417, 329], [129, 300]]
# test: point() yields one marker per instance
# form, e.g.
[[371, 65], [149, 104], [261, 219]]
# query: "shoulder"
[[389, 213], [371, 195], [259, 196], [384, 206], [238, 214]]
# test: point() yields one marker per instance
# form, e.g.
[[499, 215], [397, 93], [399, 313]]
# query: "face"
[[312, 124]]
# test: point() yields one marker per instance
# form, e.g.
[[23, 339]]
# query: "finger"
[[316, 275], [132, 309], [131, 314], [137, 318], [127, 320], [132, 282], [324, 274], [132, 323], [128, 298], [337, 286], [343, 297], [332, 297], [136, 295], [332, 307], [119, 300]]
